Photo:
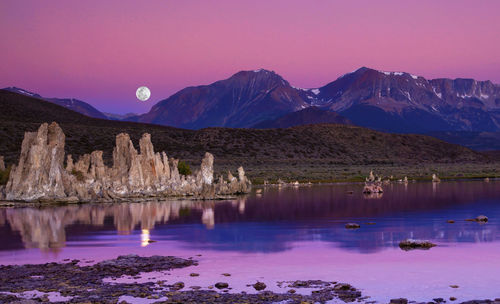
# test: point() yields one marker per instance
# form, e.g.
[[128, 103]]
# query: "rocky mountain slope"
[[69, 103], [401, 102], [308, 116], [243, 100], [387, 101]]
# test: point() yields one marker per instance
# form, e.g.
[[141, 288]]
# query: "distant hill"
[[479, 141], [316, 144], [307, 116], [69, 103]]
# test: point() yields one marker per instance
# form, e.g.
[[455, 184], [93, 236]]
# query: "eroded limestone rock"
[[40, 173], [373, 185]]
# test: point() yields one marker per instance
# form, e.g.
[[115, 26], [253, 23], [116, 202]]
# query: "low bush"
[[4, 175], [184, 168]]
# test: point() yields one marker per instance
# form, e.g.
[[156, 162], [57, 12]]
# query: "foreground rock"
[[410, 244], [84, 284], [41, 175], [259, 286]]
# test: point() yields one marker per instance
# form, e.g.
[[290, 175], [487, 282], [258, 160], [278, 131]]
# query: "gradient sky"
[[101, 51]]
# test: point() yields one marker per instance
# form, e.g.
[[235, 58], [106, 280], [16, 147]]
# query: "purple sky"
[[101, 51]]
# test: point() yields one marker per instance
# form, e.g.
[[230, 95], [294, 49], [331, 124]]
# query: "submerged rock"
[[41, 175], [482, 218], [259, 286], [479, 219], [221, 285], [399, 301], [410, 244], [352, 226]]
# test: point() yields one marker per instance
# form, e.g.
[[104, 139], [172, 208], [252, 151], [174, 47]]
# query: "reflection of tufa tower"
[[45, 228], [208, 218]]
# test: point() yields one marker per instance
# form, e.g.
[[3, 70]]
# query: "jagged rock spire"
[[40, 173]]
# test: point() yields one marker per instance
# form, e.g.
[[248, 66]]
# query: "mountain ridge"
[[386, 101], [69, 103]]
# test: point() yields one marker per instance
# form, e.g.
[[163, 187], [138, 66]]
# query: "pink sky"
[[101, 51]]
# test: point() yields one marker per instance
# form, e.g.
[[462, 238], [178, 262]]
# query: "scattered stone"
[[352, 226], [399, 301], [479, 219], [226, 274], [221, 285], [439, 300], [410, 244], [482, 218], [342, 286], [454, 286], [259, 286], [178, 285], [292, 291], [194, 274], [450, 221], [453, 299]]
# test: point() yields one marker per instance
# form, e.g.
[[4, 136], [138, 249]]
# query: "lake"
[[285, 234]]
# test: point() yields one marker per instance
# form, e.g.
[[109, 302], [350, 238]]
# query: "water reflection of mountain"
[[280, 217]]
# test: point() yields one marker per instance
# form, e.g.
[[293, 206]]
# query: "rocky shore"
[[84, 284], [72, 282], [42, 175]]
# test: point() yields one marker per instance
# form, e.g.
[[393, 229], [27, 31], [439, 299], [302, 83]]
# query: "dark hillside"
[[323, 145]]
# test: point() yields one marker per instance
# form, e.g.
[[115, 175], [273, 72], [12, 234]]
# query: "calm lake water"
[[287, 234]]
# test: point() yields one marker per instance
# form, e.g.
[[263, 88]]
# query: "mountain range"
[[313, 146], [387, 101], [396, 102]]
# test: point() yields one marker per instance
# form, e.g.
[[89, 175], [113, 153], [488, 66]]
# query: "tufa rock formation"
[[435, 178], [373, 185], [41, 175]]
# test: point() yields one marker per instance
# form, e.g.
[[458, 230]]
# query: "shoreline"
[[45, 203], [73, 282]]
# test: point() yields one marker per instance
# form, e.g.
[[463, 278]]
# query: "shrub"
[[78, 174], [4, 175], [184, 168]]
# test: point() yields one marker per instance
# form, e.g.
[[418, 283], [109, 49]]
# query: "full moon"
[[143, 93]]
